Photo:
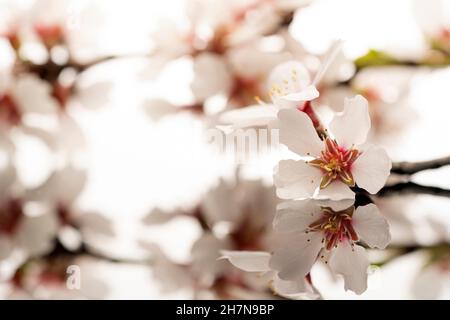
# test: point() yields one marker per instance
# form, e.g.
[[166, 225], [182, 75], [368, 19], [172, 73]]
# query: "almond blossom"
[[290, 86], [387, 89], [74, 227], [24, 231], [433, 20], [258, 261], [235, 215], [332, 232], [216, 26], [21, 94], [335, 163]]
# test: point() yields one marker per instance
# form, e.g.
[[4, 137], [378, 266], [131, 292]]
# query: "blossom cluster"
[[106, 110], [317, 223]]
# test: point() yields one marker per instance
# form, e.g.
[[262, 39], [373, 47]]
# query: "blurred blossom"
[[233, 215]]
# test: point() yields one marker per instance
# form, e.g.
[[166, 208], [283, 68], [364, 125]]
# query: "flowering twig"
[[414, 167]]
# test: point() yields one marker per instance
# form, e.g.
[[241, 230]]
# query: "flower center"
[[50, 34], [335, 226], [336, 162], [9, 112]]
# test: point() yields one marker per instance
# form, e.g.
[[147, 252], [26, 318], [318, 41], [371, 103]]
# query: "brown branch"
[[409, 168], [411, 188], [84, 250]]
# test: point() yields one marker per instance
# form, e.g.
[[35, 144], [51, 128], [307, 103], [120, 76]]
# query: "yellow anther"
[[258, 100]]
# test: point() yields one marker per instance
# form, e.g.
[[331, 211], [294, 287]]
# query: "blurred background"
[[104, 164]]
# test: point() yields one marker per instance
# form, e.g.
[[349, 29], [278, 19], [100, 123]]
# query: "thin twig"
[[410, 188], [414, 167], [84, 250]]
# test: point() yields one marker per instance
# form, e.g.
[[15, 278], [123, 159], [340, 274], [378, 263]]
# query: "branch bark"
[[410, 188], [409, 168]]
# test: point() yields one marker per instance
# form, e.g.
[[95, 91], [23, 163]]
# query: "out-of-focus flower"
[[416, 219], [238, 75], [50, 278], [204, 86], [21, 233], [24, 231], [434, 20], [73, 226], [231, 39], [328, 231], [387, 90], [291, 87], [258, 262], [27, 94], [337, 163], [217, 26], [22, 94], [235, 216], [432, 280]]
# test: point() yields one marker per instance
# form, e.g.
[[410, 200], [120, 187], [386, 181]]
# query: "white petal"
[[296, 216], [250, 261], [252, 116], [7, 168], [289, 77], [62, 186], [250, 62], [157, 109], [7, 178], [158, 216], [170, 275], [34, 95], [296, 256], [307, 94], [70, 137], [36, 235], [353, 124], [6, 246], [298, 134], [352, 263], [6, 65], [371, 226], [221, 203], [372, 169], [296, 179], [428, 284], [205, 252], [293, 288], [337, 190], [336, 205], [211, 76], [329, 58]]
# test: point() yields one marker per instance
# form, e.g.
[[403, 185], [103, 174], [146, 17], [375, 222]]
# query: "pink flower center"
[[9, 112], [50, 34], [336, 163], [335, 226]]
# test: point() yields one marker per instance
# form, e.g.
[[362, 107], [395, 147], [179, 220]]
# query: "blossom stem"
[[309, 110], [408, 168]]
